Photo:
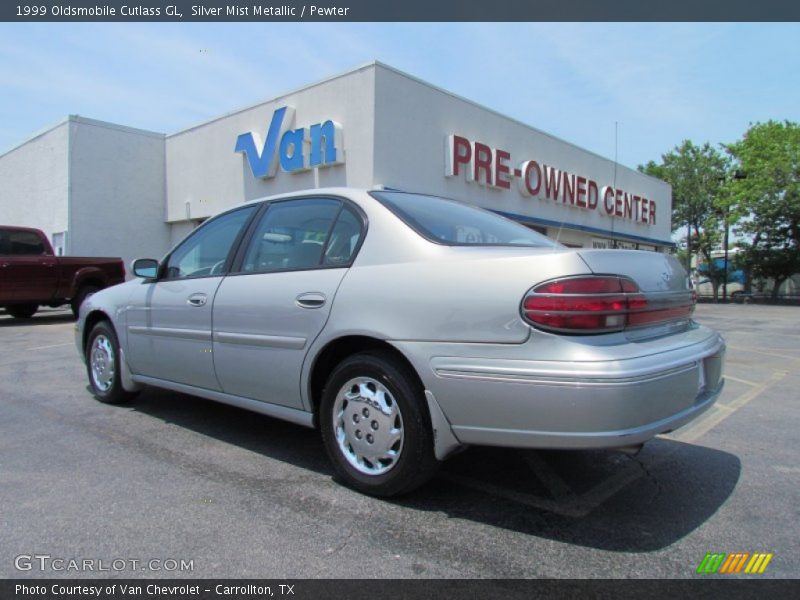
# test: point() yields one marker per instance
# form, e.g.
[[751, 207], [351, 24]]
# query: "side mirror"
[[146, 268]]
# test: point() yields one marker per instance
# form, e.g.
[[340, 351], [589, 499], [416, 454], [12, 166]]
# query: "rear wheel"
[[81, 296], [22, 311], [376, 427], [103, 366]]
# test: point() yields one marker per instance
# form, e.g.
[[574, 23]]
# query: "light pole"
[[725, 272], [737, 174]]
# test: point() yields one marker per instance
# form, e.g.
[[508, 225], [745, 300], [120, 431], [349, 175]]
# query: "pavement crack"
[[649, 475]]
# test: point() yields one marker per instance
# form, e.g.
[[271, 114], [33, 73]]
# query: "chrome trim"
[[486, 375], [250, 339], [185, 334]]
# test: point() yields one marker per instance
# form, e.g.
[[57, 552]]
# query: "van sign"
[[295, 150]]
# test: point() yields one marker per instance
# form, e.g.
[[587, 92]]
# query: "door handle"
[[311, 300], [198, 299]]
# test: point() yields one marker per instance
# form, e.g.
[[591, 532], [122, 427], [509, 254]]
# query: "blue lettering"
[[327, 134], [262, 163], [292, 158], [288, 147]]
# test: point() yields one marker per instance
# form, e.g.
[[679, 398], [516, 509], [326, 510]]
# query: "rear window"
[[458, 224]]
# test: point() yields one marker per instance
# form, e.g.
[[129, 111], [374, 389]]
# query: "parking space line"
[[567, 509], [566, 502], [50, 346], [557, 487], [720, 412], [787, 470], [607, 488], [745, 381], [797, 358]]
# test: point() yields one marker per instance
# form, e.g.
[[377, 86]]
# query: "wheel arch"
[[87, 276], [92, 281], [338, 349], [92, 319]]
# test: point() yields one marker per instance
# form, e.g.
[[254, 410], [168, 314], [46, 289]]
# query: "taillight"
[[599, 304]]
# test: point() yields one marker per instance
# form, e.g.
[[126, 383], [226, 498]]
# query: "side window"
[[291, 236], [20, 243], [204, 252], [345, 235]]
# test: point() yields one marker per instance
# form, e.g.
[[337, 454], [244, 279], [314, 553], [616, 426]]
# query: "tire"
[[102, 365], [373, 406], [22, 311], [83, 293]]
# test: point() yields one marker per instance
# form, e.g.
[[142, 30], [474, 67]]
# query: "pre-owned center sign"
[[493, 167]]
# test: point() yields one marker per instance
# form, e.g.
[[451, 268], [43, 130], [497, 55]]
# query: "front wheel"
[[103, 366], [376, 427]]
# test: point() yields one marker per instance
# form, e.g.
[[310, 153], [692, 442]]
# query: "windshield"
[[458, 224]]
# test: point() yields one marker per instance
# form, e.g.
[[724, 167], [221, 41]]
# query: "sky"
[[658, 84]]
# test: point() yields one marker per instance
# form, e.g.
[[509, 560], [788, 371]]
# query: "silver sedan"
[[407, 327]]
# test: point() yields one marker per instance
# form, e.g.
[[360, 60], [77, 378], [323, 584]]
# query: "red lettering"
[[569, 187], [652, 213], [608, 199], [644, 210], [460, 154], [531, 181], [501, 169], [592, 195], [618, 203], [580, 191], [552, 182], [483, 162], [628, 206]]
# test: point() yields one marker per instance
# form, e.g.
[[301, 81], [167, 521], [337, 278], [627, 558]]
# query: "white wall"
[[205, 171], [117, 182], [413, 120], [34, 182]]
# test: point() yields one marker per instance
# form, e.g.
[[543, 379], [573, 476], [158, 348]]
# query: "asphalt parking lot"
[[242, 495]]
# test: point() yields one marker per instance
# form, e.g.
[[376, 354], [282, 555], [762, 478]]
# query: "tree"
[[768, 155], [698, 176]]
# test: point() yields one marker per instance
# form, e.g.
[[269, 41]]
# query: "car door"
[[6, 290], [268, 312], [169, 319], [30, 274]]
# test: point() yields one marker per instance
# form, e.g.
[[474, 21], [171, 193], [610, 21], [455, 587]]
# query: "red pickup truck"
[[31, 275]]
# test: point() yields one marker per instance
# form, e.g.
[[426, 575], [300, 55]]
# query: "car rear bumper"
[[574, 404]]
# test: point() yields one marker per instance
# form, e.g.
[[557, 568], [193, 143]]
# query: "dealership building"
[[98, 188]]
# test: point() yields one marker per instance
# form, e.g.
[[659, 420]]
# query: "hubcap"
[[368, 426], [101, 359]]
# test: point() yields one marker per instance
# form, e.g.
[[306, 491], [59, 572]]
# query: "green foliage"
[[699, 178], [768, 191]]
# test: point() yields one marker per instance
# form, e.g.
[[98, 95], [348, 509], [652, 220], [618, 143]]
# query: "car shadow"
[[599, 499], [40, 318]]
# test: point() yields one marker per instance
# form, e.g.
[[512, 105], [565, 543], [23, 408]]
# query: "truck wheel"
[[83, 293], [376, 427], [22, 311], [102, 365]]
